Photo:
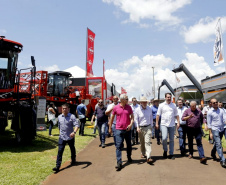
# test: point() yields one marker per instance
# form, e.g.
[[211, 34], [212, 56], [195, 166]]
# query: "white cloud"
[[161, 11], [137, 76], [49, 68], [3, 31], [203, 31], [220, 69]]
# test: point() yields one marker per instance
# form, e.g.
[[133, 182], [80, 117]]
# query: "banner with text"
[[90, 53], [218, 46]]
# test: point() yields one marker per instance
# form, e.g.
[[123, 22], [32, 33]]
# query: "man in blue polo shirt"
[[66, 122], [81, 113]]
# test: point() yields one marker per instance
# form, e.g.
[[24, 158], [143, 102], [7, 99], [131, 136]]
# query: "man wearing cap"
[[144, 119], [168, 111], [154, 109]]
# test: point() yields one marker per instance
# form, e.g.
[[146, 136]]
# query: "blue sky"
[[131, 35]]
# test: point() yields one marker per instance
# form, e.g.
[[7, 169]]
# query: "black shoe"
[[73, 163], [165, 154], [223, 164], [118, 166], [100, 145], [56, 169], [153, 137], [158, 142], [103, 145], [130, 159], [171, 157], [214, 156], [182, 153]]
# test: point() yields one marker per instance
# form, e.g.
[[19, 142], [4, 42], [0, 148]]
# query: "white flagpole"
[[176, 84], [219, 22]]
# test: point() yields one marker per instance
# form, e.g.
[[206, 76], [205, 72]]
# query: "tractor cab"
[[8, 64], [58, 83]]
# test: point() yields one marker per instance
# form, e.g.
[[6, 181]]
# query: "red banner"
[[104, 81], [90, 53], [123, 91]]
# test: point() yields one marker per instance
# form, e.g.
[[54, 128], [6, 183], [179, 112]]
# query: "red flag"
[[104, 81], [123, 91], [90, 53]]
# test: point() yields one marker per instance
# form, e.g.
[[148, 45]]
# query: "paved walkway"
[[96, 166]]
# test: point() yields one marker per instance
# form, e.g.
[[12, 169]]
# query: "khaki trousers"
[[145, 140]]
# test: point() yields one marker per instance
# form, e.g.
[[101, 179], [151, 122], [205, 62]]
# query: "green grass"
[[223, 139], [33, 163]]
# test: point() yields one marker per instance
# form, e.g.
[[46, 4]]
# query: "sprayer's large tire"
[[2, 128]]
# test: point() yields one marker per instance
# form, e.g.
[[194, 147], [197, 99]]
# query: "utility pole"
[[153, 81]]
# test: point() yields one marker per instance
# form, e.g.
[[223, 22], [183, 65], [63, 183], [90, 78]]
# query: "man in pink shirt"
[[124, 123]]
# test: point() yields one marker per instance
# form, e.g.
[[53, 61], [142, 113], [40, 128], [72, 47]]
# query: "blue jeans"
[[120, 135], [225, 133], [50, 127], [217, 136], [182, 137], [198, 137], [106, 129], [134, 135], [101, 129], [113, 132], [165, 131], [82, 126], [155, 132], [61, 146]]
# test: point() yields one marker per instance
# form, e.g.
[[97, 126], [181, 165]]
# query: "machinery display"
[[19, 104], [164, 82]]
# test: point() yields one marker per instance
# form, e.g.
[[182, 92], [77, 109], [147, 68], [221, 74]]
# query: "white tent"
[[76, 72]]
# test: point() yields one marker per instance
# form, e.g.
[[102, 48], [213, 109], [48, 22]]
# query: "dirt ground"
[[96, 166]]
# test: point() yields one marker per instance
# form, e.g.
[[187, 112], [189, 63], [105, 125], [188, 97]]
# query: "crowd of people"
[[143, 122]]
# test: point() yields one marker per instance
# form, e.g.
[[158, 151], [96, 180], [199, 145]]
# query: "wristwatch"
[[74, 132]]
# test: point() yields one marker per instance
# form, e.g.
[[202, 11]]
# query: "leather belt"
[[145, 126]]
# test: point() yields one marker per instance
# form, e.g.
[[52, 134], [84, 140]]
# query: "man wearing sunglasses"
[[216, 120], [101, 121], [124, 123]]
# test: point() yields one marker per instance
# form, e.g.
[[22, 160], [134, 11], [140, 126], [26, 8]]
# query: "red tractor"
[[20, 105]]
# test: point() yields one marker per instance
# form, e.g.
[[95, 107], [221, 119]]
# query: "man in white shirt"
[[168, 111], [144, 119], [182, 130], [204, 112], [108, 113], [134, 132]]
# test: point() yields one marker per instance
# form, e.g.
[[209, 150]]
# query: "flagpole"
[[219, 22], [176, 84], [86, 49], [86, 89]]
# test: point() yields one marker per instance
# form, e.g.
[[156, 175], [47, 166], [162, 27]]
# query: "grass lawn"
[[33, 163], [223, 139]]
